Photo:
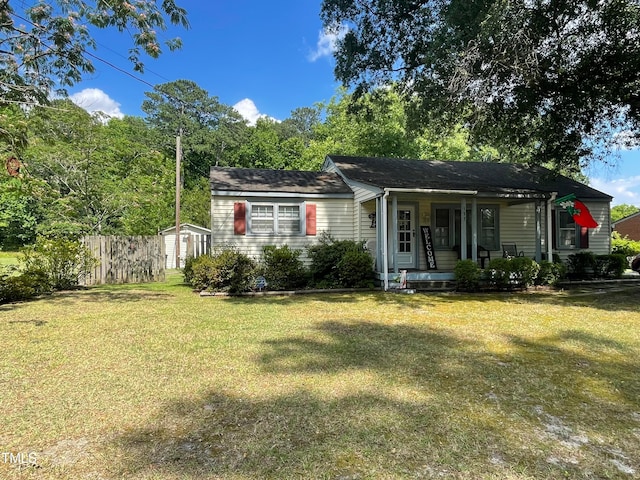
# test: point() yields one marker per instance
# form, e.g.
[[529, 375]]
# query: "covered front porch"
[[416, 235]]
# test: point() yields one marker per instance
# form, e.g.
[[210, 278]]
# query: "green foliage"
[[224, 271], [541, 81], [509, 273], [187, 271], [376, 124], [467, 275], [499, 273], [610, 266], [16, 286], [211, 131], [62, 261], [550, 273], [355, 268], [524, 271], [581, 265], [624, 210], [47, 49], [282, 268], [624, 246], [327, 261]]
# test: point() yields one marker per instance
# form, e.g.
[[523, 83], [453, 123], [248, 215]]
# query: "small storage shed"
[[194, 241]]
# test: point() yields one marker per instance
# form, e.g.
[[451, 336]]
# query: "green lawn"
[[155, 382]]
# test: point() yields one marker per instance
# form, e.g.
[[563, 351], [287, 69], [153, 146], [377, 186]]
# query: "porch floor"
[[426, 280]]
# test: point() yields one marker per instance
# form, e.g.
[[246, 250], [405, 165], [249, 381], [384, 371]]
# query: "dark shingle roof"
[[254, 180], [486, 177]]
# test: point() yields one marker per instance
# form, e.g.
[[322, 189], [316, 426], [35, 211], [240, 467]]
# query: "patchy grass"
[[154, 382]]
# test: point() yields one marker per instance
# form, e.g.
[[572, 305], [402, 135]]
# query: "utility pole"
[[178, 158]]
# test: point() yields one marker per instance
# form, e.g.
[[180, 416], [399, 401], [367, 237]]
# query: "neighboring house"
[[628, 226], [194, 241], [386, 202]]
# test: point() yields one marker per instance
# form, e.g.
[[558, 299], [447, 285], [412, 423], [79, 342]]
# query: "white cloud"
[[328, 39], [624, 190], [249, 111], [95, 100]]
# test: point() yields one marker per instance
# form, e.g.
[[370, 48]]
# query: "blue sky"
[[263, 58]]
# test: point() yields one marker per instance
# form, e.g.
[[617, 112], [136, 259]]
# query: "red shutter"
[[311, 218], [239, 218], [584, 237]]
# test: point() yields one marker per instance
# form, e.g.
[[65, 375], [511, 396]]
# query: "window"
[[566, 230], [447, 228], [275, 219]]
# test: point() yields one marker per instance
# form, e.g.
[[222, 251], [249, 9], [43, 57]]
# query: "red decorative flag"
[[577, 210]]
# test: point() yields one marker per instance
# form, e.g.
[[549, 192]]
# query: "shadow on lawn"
[[433, 406], [74, 297]]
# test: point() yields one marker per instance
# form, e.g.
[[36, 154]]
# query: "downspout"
[[550, 227], [385, 240]]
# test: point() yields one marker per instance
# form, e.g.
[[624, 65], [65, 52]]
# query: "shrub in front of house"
[[499, 274], [467, 274], [225, 271], [339, 263], [550, 273], [610, 266], [355, 268], [510, 273], [187, 270], [282, 268], [524, 271], [581, 266]]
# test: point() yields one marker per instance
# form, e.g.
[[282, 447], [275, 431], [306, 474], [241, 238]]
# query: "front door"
[[406, 239]]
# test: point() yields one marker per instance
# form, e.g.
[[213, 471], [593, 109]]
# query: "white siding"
[[599, 237], [333, 216], [518, 225]]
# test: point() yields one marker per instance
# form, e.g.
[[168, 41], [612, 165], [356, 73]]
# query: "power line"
[[106, 62]]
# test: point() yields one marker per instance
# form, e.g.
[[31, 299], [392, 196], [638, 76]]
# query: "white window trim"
[[276, 230], [452, 233], [576, 233]]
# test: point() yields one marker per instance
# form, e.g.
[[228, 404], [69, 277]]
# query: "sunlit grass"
[[154, 381]]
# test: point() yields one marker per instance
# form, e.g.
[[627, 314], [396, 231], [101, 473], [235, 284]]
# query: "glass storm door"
[[405, 241]]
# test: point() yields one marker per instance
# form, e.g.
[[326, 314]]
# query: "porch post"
[[385, 240], [550, 227], [463, 229], [394, 232], [538, 231], [379, 230], [474, 229]]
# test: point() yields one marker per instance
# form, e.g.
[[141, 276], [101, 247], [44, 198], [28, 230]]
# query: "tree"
[[375, 124], [210, 129], [46, 45], [544, 81], [67, 150], [619, 212]]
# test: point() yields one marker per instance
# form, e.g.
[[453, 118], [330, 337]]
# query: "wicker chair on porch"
[[510, 250]]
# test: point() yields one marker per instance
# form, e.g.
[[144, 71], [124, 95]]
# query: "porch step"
[[432, 285]]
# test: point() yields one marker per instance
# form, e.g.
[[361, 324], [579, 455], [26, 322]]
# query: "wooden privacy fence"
[[135, 259]]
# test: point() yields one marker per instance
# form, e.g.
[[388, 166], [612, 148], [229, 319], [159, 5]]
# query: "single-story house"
[[628, 226], [414, 215], [194, 241]]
